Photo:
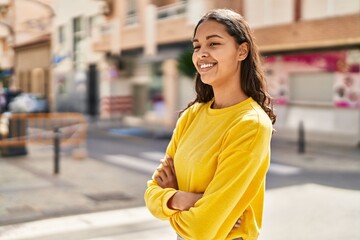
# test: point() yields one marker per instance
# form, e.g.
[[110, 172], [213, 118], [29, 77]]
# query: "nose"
[[203, 54]]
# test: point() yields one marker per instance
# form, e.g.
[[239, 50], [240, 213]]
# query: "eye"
[[196, 48], [212, 44]]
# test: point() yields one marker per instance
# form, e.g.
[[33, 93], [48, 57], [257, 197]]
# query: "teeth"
[[206, 65]]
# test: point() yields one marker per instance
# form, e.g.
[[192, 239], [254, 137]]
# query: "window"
[[156, 89], [91, 26], [327, 8], [131, 16], [173, 9], [78, 37], [261, 13], [61, 34]]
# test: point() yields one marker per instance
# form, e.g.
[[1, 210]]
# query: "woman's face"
[[216, 54]]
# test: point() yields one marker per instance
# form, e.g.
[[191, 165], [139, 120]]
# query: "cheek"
[[230, 63], [194, 57]]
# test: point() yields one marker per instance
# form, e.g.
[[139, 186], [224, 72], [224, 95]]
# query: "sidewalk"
[[309, 212], [317, 156], [125, 224], [29, 189]]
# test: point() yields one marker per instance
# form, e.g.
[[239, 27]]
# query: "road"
[[146, 152]]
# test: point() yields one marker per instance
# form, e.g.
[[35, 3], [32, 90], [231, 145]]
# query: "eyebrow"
[[208, 37]]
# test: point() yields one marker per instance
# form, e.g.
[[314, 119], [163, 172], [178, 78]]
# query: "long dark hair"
[[252, 76]]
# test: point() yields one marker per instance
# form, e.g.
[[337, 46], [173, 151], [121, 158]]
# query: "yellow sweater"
[[225, 154]]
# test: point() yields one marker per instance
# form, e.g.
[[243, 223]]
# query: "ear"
[[243, 51]]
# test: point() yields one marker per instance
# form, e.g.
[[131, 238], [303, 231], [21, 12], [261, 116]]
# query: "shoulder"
[[256, 116], [252, 125], [192, 111]]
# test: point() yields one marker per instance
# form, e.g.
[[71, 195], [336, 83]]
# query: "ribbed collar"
[[214, 112]]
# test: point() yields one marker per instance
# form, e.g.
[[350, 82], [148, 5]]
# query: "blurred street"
[[314, 195]]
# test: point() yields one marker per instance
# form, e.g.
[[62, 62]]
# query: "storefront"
[[321, 90]]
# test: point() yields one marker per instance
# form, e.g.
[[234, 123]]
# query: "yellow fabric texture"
[[225, 154]]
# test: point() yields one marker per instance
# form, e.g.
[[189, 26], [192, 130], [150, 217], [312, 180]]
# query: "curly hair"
[[251, 78]]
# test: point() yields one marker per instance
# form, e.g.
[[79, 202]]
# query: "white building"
[[129, 49]]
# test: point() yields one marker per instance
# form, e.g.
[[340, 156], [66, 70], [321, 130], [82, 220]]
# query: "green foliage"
[[1, 71], [185, 64], [2, 79]]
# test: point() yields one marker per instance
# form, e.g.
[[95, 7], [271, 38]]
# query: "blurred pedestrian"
[[211, 184]]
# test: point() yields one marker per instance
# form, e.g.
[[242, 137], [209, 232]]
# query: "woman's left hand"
[[166, 176]]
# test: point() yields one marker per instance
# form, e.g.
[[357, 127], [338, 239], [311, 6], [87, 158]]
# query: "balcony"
[[171, 11], [102, 36], [131, 19]]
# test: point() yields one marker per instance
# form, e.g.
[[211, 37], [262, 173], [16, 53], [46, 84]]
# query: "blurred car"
[[28, 103]]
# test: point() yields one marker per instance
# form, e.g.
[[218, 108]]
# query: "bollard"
[[301, 138], [56, 151]]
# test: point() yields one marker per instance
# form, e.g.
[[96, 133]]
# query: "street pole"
[[301, 138], [56, 151]]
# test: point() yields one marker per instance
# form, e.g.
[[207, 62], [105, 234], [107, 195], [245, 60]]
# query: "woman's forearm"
[[183, 201]]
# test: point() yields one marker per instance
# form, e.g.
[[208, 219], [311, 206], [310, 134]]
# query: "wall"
[[330, 32], [328, 8]]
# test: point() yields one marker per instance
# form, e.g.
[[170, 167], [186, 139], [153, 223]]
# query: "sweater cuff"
[[168, 211]]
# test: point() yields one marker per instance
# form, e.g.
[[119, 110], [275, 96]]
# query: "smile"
[[208, 65]]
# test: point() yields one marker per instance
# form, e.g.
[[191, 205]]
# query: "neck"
[[228, 98]]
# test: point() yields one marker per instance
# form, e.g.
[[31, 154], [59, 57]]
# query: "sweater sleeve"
[[156, 197], [241, 170]]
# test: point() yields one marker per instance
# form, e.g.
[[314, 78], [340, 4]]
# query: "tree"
[[185, 64]]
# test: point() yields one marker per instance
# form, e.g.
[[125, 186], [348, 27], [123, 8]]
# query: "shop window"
[[38, 80], [23, 81], [156, 89], [311, 88]]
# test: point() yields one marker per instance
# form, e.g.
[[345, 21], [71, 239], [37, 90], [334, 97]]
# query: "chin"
[[207, 80]]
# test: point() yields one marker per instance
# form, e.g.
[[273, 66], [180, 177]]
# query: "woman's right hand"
[[166, 176]]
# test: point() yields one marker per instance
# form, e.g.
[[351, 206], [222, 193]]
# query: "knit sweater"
[[225, 154]]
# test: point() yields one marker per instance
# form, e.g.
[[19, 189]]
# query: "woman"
[[211, 184]]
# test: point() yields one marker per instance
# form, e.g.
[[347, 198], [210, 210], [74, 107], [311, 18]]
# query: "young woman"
[[211, 184]]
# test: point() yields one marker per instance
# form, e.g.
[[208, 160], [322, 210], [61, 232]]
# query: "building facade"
[[311, 55], [120, 58], [25, 43], [72, 54]]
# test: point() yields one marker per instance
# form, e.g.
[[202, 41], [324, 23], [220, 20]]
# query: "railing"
[[41, 128], [171, 10], [131, 19], [57, 129]]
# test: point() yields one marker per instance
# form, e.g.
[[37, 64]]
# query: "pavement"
[[37, 204]]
